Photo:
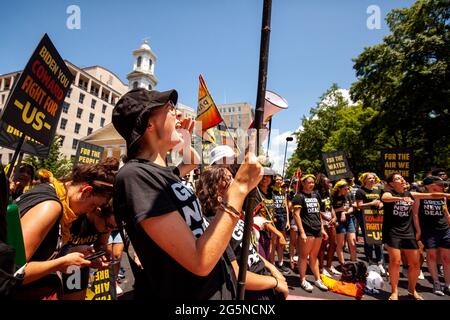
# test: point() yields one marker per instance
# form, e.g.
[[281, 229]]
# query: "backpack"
[[354, 272]]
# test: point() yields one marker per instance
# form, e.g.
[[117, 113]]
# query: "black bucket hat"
[[433, 180], [131, 113]]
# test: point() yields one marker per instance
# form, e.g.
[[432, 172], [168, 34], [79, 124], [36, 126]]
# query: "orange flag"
[[207, 111]]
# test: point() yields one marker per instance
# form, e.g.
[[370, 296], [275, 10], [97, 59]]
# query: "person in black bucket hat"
[[162, 217]]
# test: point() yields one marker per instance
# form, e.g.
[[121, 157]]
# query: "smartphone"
[[95, 255]]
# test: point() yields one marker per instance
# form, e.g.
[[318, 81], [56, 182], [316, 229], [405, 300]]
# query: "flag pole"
[[259, 115]]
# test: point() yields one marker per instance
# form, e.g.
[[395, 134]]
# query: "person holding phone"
[[88, 235], [50, 206], [181, 258]]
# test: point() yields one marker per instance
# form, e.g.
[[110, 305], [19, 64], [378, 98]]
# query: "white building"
[[86, 108]]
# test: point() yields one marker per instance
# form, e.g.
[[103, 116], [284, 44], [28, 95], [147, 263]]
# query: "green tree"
[[406, 80], [317, 129], [55, 162]]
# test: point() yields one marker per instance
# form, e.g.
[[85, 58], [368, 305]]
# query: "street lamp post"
[[285, 151]]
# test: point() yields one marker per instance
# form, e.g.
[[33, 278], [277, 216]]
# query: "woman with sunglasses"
[[181, 257], [399, 233]]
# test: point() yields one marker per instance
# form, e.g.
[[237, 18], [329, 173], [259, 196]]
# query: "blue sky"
[[311, 44]]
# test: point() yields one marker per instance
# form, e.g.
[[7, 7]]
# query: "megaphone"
[[273, 103]]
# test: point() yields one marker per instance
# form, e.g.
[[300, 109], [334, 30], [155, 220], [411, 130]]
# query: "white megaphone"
[[273, 103]]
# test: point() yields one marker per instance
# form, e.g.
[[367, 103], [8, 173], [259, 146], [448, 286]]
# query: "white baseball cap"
[[220, 152]]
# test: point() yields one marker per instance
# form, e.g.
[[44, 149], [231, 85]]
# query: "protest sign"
[[35, 103], [88, 153], [373, 223], [336, 165], [398, 160], [102, 285]]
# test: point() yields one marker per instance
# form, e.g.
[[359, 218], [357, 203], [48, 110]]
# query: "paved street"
[[424, 287]]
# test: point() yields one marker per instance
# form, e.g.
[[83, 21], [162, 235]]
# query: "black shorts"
[[316, 233], [398, 243], [436, 239], [280, 221]]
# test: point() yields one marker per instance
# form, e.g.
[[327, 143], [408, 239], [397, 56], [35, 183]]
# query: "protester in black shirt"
[[399, 235], [281, 219], [307, 209], [368, 202], [48, 206], [346, 221], [88, 232], [180, 256], [434, 221], [262, 278]]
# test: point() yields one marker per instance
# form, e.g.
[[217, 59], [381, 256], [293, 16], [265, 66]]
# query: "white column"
[[77, 78], [2, 84], [89, 85], [110, 151]]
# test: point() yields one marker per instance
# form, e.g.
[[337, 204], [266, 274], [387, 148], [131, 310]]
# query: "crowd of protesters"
[[189, 238]]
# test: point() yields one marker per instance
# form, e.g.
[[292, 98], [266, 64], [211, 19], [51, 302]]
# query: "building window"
[[3, 98], [102, 122], [81, 99], [94, 91], [239, 109], [104, 108], [150, 62], [69, 92], [91, 117], [63, 124], [77, 128], [61, 140], [79, 113], [149, 87], [89, 131], [74, 143], [65, 107], [135, 85], [139, 61], [93, 102]]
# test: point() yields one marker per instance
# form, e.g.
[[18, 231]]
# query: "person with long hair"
[[180, 256], [263, 279], [307, 208], [281, 220], [329, 224], [346, 230], [399, 233], [50, 206], [369, 203]]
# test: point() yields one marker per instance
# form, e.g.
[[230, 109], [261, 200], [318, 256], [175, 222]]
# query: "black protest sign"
[[336, 165], [398, 160], [34, 105], [10, 137], [88, 153], [373, 223], [102, 285]]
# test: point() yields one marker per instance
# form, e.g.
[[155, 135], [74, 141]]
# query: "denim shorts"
[[348, 226], [280, 222], [436, 239]]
